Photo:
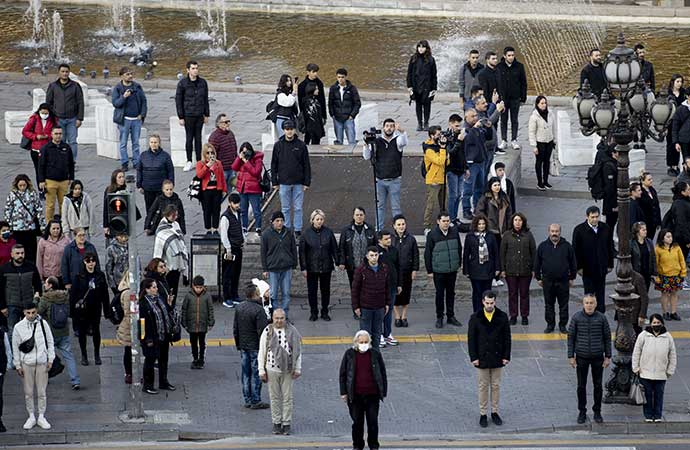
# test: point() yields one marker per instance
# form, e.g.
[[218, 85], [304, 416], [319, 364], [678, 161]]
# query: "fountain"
[[213, 28], [35, 17], [55, 34]]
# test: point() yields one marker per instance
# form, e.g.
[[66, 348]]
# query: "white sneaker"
[[187, 166], [686, 286], [30, 422], [390, 340], [503, 145], [494, 283], [42, 422], [515, 145], [499, 283], [382, 343]]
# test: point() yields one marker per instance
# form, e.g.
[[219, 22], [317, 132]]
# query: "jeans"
[[255, 201], [231, 276], [654, 394], [63, 344], [556, 290], [280, 281], [371, 320], [388, 318], [583, 365], [251, 383], [360, 407], [478, 289], [387, 189], [518, 286], [279, 126], [596, 286], [229, 175], [69, 134], [292, 196], [193, 126], [349, 127], [454, 183], [512, 108], [473, 186], [445, 290], [130, 129], [315, 279]]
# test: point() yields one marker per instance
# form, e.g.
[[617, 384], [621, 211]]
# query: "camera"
[[486, 123], [371, 134], [448, 134], [247, 153]]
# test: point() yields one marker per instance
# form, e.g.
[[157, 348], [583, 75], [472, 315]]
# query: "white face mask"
[[363, 347], [44, 116]]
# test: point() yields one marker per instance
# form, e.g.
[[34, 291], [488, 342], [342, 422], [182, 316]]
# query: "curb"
[[55, 437], [573, 194]]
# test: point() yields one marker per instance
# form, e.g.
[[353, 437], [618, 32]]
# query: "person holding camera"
[[129, 101], [457, 164], [212, 176], [435, 162], [387, 161], [422, 82], [248, 165], [476, 133]]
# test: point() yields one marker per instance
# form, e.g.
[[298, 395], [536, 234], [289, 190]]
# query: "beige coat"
[[654, 356], [540, 130], [124, 335]]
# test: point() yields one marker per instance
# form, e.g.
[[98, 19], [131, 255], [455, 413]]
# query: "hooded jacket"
[[435, 161], [124, 329], [35, 126], [249, 174], [518, 250], [66, 100], [41, 354], [54, 297], [197, 312], [497, 213], [512, 81], [654, 356], [348, 106]]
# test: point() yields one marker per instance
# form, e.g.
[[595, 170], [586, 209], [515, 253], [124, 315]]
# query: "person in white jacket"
[[280, 363], [542, 139], [171, 248], [33, 366], [654, 360], [286, 103], [77, 211]]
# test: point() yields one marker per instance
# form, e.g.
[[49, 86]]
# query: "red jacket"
[[34, 127], [249, 174], [204, 173]]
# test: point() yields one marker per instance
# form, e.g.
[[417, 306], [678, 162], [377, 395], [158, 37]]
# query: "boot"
[[97, 357], [84, 359], [420, 127], [426, 126]]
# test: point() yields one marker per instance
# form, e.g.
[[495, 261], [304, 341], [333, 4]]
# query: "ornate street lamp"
[[625, 108]]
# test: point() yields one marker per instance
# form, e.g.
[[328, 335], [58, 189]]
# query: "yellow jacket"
[[434, 162], [670, 262]]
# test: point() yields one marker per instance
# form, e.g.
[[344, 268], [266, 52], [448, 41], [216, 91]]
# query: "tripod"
[[372, 149]]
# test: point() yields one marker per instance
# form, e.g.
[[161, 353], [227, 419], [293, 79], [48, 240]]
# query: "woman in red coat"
[[210, 171], [248, 165], [37, 130]]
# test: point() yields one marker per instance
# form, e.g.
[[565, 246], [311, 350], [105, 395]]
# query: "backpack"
[[596, 181], [116, 311], [59, 315], [272, 109], [422, 169]]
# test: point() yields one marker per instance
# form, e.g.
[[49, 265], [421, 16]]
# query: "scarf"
[[544, 114], [483, 248], [359, 247], [286, 348], [161, 316]]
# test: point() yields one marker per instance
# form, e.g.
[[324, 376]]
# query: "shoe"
[[467, 216], [515, 145], [598, 418], [76, 387], [298, 234], [426, 126], [563, 329], [398, 323], [42, 422], [649, 420], [453, 321], [499, 283], [382, 343], [286, 430], [30, 422], [496, 419], [84, 361], [187, 166], [258, 232], [260, 405], [549, 329], [686, 286], [326, 317], [195, 365], [667, 316], [313, 317], [525, 321], [277, 428], [541, 187], [97, 360], [2, 427], [420, 127], [670, 172], [494, 283], [503, 145], [125, 167], [582, 418], [675, 316], [390, 340], [500, 152], [513, 320], [247, 405], [229, 303], [150, 390], [166, 387], [426, 231], [128, 379], [404, 323], [547, 185], [657, 420], [201, 363], [483, 421], [439, 323]]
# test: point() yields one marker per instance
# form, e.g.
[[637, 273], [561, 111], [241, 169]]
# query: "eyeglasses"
[[224, 121]]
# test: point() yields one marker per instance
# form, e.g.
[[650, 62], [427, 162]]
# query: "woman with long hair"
[[480, 259], [542, 139], [156, 315], [38, 129], [117, 184], [671, 269], [286, 102], [210, 171], [495, 206], [24, 213], [422, 82], [677, 94], [642, 254], [248, 166], [518, 250], [77, 210], [157, 270], [51, 247], [312, 115], [649, 202]]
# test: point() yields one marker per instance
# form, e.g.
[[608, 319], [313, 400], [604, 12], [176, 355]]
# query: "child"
[[670, 265], [155, 214], [197, 319], [506, 185]]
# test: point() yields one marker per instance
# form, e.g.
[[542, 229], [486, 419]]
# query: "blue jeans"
[[251, 383], [279, 126], [371, 320], [255, 201], [473, 186], [130, 129], [292, 196], [69, 133], [229, 174], [387, 189], [283, 281], [454, 183], [64, 345], [654, 394], [349, 127], [388, 318]]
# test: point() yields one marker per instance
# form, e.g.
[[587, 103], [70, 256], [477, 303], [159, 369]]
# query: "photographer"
[[435, 162], [457, 164], [490, 111], [476, 133], [248, 165], [387, 162]]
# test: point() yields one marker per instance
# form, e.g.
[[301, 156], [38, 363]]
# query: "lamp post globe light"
[[626, 108]]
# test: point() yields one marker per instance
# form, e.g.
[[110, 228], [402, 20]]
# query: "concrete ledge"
[[125, 434]]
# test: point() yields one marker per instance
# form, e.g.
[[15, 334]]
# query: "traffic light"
[[118, 213]]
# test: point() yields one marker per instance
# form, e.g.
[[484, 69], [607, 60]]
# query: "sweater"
[[225, 144], [81, 217], [589, 336], [555, 261], [153, 169], [41, 354], [654, 357], [364, 375], [197, 312], [49, 256], [670, 262], [278, 250]]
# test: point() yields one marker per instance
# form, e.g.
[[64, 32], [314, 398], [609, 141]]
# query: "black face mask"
[[657, 328]]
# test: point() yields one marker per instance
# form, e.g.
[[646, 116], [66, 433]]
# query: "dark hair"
[[234, 197], [218, 117], [383, 233], [311, 67], [170, 209], [539, 99], [146, 283], [341, 71], [167, 181], [489, 183], [45, 106], [427, 53], [489, 294], [475, 222], [660, 237], [638, 46], [474, 52], [74, 184], [372, 248], [489, 54], [508, 49], [395, 218], [674, 77], [246, 145], [656, 316], [433, 129], [251, 290], [64, 65], [191, 63], [592, 209], [310, 89], [443, 213], [474, 89], [91, 256], [4, 223], [198, 281], [124, 70], [152, 266], [53, 282], [46, 230], [634, 185], [388, 120], [282, 84], [595, 49], [18, 246], [637, 226], [678, 189], [525, 227], [113, 186], [499, 165], [22, 177], [455, 118], [354, 210]]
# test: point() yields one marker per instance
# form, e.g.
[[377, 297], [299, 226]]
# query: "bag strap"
[[24, 205], [45, 338]]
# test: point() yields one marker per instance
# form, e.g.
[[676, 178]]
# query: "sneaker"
[[494, 283], [382, 343], [150, 390], [325, 316], [598, 418], [195, 365], [390, 340], [426, 231], [286, 430], [547, 185], [483, 421], [657, 420], [277, 428], [525, 321], [453, 321], [515, 145], [686, 286], [125, 167], [260, 405], [167, 387], [496, 419], [675, 316], [649, 420], [30, 422], [258, 231], [42, 422], [541, 187], [76, 387], [503, 145], [187, 166], [549, 329], [398, 323], [439, 323], [667, 316], [229, 303], [513, 320], [500, 152], [581, 418]]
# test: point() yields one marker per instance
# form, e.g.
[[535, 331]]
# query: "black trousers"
[[127, 360], [611, 220], [198, 343], [445, 293], [192, 127], [149, 366], [361, 407], [84, 326], [173, 280], [149, 198], [34, 159], [350, 276], [512, 109], [311, 140], [2, 381], [684, 150], [231, 276], [313, 281], [543, 161], [556, 290], [672, 156], [210, 205], [423, 110], [596, 286], [583, 366]]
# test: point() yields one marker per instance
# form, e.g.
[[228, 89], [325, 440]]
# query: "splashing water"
[[35, 17], [213, 28], [55, 34]]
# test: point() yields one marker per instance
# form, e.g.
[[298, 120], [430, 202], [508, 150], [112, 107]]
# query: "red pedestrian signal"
[[118, 213]]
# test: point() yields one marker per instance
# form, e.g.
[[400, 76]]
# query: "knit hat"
[[288, 124], [277, 215]]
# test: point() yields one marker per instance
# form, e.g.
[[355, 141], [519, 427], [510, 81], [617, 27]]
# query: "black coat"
[[677, 219], [349, 106], [596, 77], [56, 162], [555, 262], [421, 76], [488, 80], [155, 215], [151, 332], [345, 244], [347, 374], [593, 251], [470, 258], [610, 173], [302, 94], [408, 251], [290, 163], [249, 322], [3, 352], [489, 342], [96, 299], [636, 213], [681, 125], [651, 209], [191, 98], [318, 250], [512, 81], [647, 74], [391, 258]]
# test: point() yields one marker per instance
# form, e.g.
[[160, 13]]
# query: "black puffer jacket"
[[250, 321], [512, 81], [191, 98], [318, 250], [489, 342], [345, 244], [349, 106], [347, 374], [677, 219], [408, 252], [589, 336]]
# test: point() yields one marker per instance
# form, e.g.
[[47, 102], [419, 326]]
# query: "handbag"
[[28, 345], [25, 143], [637, 394], [265, 182]]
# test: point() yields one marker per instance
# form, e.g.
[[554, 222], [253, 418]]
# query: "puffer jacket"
[[124, 329], [249, 322], [197, 312], [370, 290], [153, 169], [654, 357], [347, 373], [540, 130], [41, 354], [318, 250], [191, 98], [249, 174], [518, 251], [435, 161], [155, 214], [49, 256], [19, 217], [350, 104], [116, 262], [443, 252], [408, 249], [82, 218], [589, 336], [35, 126], [50, 298]]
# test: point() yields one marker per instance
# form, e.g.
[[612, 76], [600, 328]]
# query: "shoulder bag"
[[34, 217], [57, 367]]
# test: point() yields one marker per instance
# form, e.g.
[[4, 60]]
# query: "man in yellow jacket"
[[435, 162]]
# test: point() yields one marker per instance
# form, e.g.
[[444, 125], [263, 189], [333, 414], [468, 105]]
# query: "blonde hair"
[[359, 334], [317, 212], [206, 149]]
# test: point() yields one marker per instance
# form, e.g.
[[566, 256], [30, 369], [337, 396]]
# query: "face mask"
[[656, 328], [363, 347], [6, 235], [44, 116]]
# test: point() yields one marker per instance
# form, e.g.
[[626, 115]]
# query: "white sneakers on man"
[[42, 422], [503, 145], [515, 145], [187, 166], [30, 422]]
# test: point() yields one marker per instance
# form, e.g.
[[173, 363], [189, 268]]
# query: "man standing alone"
[[193, 111], [66, 99], [129, 102], [512, 87]]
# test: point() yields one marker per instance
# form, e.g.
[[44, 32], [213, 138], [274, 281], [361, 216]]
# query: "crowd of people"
[[472, 225]]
